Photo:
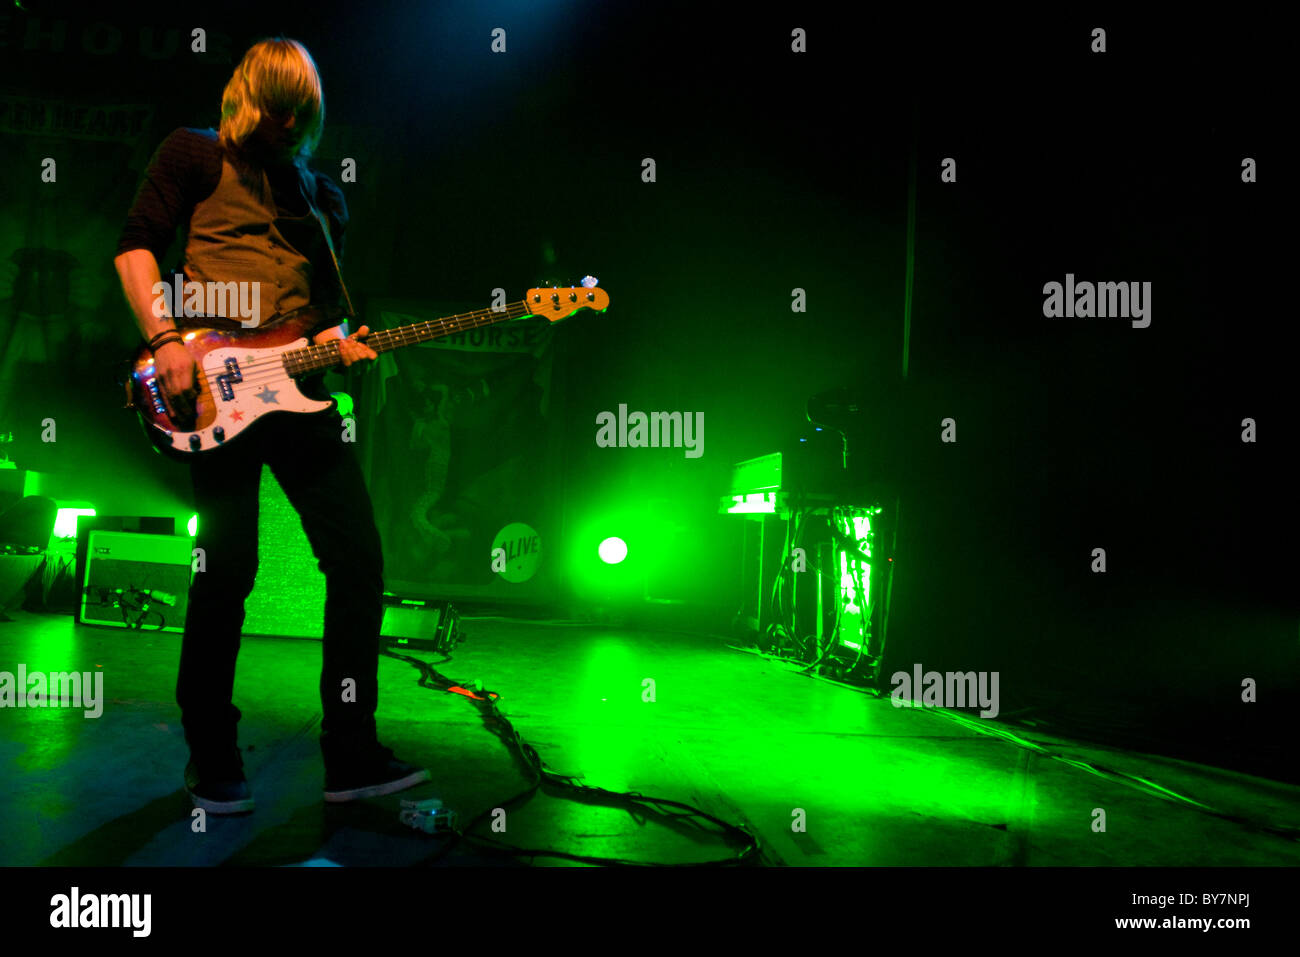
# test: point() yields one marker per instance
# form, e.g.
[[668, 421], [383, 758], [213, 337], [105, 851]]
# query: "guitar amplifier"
[[137, 581]]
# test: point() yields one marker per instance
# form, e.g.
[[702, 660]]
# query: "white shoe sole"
[[378, 790], [221, 807]]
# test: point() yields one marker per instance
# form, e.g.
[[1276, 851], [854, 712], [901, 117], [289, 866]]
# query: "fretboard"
[[315, 358]]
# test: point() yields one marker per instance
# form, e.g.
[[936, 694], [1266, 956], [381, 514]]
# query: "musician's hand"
[[177, 381], [352, 349]]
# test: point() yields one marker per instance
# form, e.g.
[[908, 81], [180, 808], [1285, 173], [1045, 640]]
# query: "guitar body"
[[241, 378]]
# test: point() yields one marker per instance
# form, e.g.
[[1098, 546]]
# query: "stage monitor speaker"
[[137, 581], [420, 624]]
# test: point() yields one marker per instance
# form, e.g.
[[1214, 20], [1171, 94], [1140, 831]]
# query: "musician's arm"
[[176, 371], [138, 271], [330, 198], [185, 168]]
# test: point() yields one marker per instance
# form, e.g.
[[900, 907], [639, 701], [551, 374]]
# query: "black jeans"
[[322, 479]]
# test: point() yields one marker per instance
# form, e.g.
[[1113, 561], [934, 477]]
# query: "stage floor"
[[744, 738]]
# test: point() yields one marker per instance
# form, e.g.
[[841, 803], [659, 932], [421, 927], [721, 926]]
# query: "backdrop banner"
[[461, 452]]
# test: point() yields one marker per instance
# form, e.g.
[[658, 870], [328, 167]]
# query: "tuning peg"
[[590, 281]]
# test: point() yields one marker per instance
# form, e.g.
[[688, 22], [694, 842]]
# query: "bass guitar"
[[244, 375]]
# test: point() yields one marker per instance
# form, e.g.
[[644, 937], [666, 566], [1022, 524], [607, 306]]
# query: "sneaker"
[[375, 774], [218, 793]]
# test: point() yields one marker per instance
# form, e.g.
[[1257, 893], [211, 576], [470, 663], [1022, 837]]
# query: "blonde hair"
[[276, 78]]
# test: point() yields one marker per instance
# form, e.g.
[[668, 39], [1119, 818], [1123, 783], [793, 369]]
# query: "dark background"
[[778, 171]]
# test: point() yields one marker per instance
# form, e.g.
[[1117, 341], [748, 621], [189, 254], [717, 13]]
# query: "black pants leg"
[[320, 474], [225, 498], [322, 479]]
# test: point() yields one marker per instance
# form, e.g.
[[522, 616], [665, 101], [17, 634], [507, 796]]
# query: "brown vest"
[[238, 235]]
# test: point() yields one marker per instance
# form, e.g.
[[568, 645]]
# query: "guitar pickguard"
[[242, 385]]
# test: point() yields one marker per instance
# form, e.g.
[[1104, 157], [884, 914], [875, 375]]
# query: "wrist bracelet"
[[159, 341], [166, 332]]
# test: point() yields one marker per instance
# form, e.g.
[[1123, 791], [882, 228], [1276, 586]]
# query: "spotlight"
[[612, 551], [65, 522]]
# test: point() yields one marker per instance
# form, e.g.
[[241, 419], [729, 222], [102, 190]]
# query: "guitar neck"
[[315, 358]]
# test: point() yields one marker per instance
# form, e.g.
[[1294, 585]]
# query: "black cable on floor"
[[546, 779]]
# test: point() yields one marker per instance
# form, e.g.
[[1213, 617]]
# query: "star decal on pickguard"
[[236, 416], [268, 395]]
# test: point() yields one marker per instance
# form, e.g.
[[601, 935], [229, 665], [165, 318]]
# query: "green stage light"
[[607, 569], [192, 526], [621, 541], [612, 551], [856, 599], [65, 522], [860, 531]]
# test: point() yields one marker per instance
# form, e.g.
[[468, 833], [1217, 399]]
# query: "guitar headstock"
[[560, 302]]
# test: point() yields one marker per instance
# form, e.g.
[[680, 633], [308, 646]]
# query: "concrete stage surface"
[[743, 737]]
